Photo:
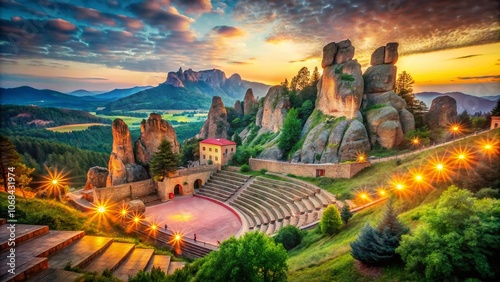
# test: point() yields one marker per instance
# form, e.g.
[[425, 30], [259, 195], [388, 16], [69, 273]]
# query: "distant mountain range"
[[189, 90], [472, 104], [182, 90]]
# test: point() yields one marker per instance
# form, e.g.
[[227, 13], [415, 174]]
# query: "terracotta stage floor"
[[192, 215]]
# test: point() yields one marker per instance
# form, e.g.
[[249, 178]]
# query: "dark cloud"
[[195, 6], [494, 77], [466, 57], [159, 16], [240, 63], [418, 26], [228, 31]]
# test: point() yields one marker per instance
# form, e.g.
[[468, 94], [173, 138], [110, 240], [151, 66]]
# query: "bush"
[[263, 171], [289, 236], [245, 168], [330, 221], [345, 213], [377, 246], [487, 193]]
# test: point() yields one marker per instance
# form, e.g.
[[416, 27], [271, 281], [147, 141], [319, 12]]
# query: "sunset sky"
[[106, 44]]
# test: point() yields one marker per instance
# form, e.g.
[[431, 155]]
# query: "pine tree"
[[301, 80], [345, 213], [404, 88], [314, 76], [330, 221], [10, 158], [163, 161], [496, 109], [377, 246]]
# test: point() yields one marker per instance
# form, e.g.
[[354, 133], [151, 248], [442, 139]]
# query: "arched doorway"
[[177, 190], [198, 183]]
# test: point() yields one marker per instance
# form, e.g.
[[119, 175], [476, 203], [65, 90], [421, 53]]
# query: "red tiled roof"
[[218, 141]]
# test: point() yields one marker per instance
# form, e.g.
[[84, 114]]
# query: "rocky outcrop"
[[355, 141], [121, 166], [249, 102], [340, 89], [276, 106], [272, 153], [442, 113], [96, 177], [238, 108], [216, 124], [385, 112], [153, 131]]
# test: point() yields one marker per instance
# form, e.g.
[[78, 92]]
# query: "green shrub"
[[487, 193], [346, 77], [345, 213], [289, 236], [263, 171], [245, 168], [331, 223]]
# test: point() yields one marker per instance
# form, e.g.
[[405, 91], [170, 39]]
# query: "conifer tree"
[[330, 221], [345, 213], [314, 76], [163, 161], [290, 133], [377, 246]]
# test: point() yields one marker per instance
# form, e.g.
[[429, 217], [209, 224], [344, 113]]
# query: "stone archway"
[[178, 190], [198, 183]]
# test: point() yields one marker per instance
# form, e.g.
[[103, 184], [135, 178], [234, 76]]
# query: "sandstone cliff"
[[122, 167], [238, 108], [276, 106], [216, 124], [96, 177], [442, 113], [249, 102], [153, 131]]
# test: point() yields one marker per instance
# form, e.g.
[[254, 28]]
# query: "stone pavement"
[[191, 215]]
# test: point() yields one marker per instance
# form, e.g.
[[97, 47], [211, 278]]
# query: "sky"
[[450, 45]]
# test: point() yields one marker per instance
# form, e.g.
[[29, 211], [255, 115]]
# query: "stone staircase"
[[223, 184], [42, 255], [266, 204]]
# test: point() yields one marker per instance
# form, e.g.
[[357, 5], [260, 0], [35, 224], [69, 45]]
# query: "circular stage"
[[191, 215]]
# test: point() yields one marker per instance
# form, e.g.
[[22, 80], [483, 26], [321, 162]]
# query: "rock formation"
[[442, 113], [122, 167], [153, 131], [216, 124], [340, 89], [276, 106], [238, 108], [96, 177], [248, 102], [385, 112]]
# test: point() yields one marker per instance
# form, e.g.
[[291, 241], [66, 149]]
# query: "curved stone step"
[[111, 258], [81, 252], [138, 260]]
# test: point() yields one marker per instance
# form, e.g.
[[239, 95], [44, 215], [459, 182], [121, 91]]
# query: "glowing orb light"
[[101, 209]]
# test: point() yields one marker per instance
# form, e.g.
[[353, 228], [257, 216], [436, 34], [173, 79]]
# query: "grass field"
[[74, 127], [321, 258], [168, 115]]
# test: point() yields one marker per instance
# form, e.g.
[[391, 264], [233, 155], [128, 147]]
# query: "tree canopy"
[[459, 239], [290, 133], [404, 88], [331, 222], [164, 160], [253, 257]]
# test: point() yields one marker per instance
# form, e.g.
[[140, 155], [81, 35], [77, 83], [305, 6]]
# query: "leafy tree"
[[11, 162], [345, 213], [331, 222], [404, 88], [305, 111], [459, 239], [289, 236], [496, 109], [465, 121], [377, 246], [314, 77], [164, 160], [253, 257], [291, 131], [237, 139], [190, 150]]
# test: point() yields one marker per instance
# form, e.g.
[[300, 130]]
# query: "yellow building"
[[218, 150]]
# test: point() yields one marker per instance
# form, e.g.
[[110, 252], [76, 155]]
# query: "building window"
[[232, 149], [216, 150], [210, 157], [320, 172], [204, 157], [226, 151], [210, 149], [216, 158], [203, 148]]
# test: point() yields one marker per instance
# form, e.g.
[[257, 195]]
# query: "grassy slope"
[[74, 127], [328, 259]]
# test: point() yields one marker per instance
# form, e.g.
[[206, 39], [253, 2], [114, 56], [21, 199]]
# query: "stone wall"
[[309, 170], [125, 191], [186, 178]]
